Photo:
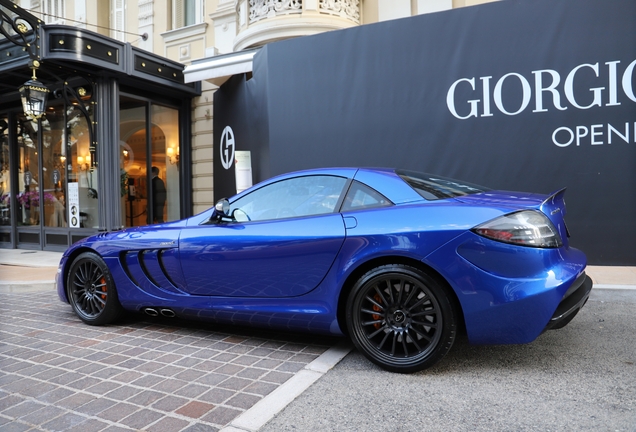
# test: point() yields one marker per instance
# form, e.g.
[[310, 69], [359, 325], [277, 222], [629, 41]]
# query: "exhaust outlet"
[[168, 313], [151, 312]]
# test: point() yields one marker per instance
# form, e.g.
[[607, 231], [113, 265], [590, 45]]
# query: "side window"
[[300, 196], [186, 12], [361, 196]]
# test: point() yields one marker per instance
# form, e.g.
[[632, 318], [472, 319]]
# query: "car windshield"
[[433, 187]]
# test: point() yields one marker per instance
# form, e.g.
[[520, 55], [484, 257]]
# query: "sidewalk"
[[608, 277], [25, 270]]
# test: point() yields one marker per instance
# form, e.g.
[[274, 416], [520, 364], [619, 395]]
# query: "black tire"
[[91, 290], [401, 319]]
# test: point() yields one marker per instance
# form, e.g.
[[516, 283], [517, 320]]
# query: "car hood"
[[148, 235]]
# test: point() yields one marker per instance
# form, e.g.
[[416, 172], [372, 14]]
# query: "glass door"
[[133, 161], [149, 162], [165, 164]]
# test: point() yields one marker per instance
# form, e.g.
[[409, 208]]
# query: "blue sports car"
[[398, 261]]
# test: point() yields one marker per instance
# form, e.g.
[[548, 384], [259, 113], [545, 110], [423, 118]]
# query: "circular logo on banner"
[[227, 147]]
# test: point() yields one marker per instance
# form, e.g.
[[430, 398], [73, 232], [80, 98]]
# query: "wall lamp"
[[84, 162], [173, 155], [34, 95]]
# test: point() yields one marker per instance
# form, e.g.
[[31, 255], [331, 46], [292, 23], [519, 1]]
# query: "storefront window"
[[66, 163], [54, 167], [28, 199], [5, 173]]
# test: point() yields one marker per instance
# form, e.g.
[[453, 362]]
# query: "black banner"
[[530, 95]]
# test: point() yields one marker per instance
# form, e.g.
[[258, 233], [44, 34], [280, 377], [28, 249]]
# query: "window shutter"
[[178, 9], [118, 20], [54, 11]]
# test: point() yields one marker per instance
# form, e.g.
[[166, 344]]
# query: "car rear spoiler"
[[554, 197], [555, 203]]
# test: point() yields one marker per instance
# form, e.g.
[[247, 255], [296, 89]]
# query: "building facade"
[[112, 148], [120, 108]]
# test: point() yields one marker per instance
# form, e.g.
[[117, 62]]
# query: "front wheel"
[[400, 318], [91, 290]]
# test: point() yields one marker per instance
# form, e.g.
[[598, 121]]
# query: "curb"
[[30, 258], [614, 287], [265, 410], [22, 287]]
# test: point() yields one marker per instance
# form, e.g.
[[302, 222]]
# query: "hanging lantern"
[[34, 95]]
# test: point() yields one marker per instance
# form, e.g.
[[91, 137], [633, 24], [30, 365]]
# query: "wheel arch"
[[366, 266], [69, 263]]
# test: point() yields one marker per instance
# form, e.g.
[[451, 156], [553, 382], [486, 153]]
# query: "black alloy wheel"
[[400, 318], [91, 290]]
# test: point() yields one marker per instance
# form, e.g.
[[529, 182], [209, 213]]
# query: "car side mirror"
[[222, 207], [221, 210], [222, 213]]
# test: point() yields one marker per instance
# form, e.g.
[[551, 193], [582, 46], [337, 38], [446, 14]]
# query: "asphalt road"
[[579, 378]]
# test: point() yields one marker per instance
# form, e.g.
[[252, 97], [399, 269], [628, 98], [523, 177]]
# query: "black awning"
[[62, 49]]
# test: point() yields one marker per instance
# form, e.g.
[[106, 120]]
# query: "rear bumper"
[[572, 302], [511, 294]]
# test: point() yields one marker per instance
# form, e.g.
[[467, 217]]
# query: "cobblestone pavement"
[[58, 374]]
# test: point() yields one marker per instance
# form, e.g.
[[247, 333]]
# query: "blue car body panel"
[[290, 273], [281, 258]]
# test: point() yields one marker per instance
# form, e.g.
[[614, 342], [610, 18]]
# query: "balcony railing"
[[348, 9], [261, 9], [263, 21]]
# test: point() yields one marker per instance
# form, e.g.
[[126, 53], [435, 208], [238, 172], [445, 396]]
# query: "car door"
[[286, 245]]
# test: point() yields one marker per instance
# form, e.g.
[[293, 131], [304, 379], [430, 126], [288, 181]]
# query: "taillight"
[[525, 228]]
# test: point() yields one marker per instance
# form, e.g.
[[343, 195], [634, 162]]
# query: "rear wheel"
[[91, 290], [400, 318]]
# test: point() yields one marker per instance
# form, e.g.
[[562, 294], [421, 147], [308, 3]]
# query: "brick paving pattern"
[[58, 374]]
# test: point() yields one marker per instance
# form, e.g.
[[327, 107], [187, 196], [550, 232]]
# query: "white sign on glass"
[[73, 205]]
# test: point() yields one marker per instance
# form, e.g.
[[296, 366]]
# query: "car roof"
[[388, 183], [384, 180]]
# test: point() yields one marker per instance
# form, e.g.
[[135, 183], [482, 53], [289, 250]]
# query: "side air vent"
[[145, 270], [163, 267], [142, 263], [127, 259]]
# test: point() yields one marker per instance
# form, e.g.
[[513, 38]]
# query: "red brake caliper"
[[104, 289], [377, 309]]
